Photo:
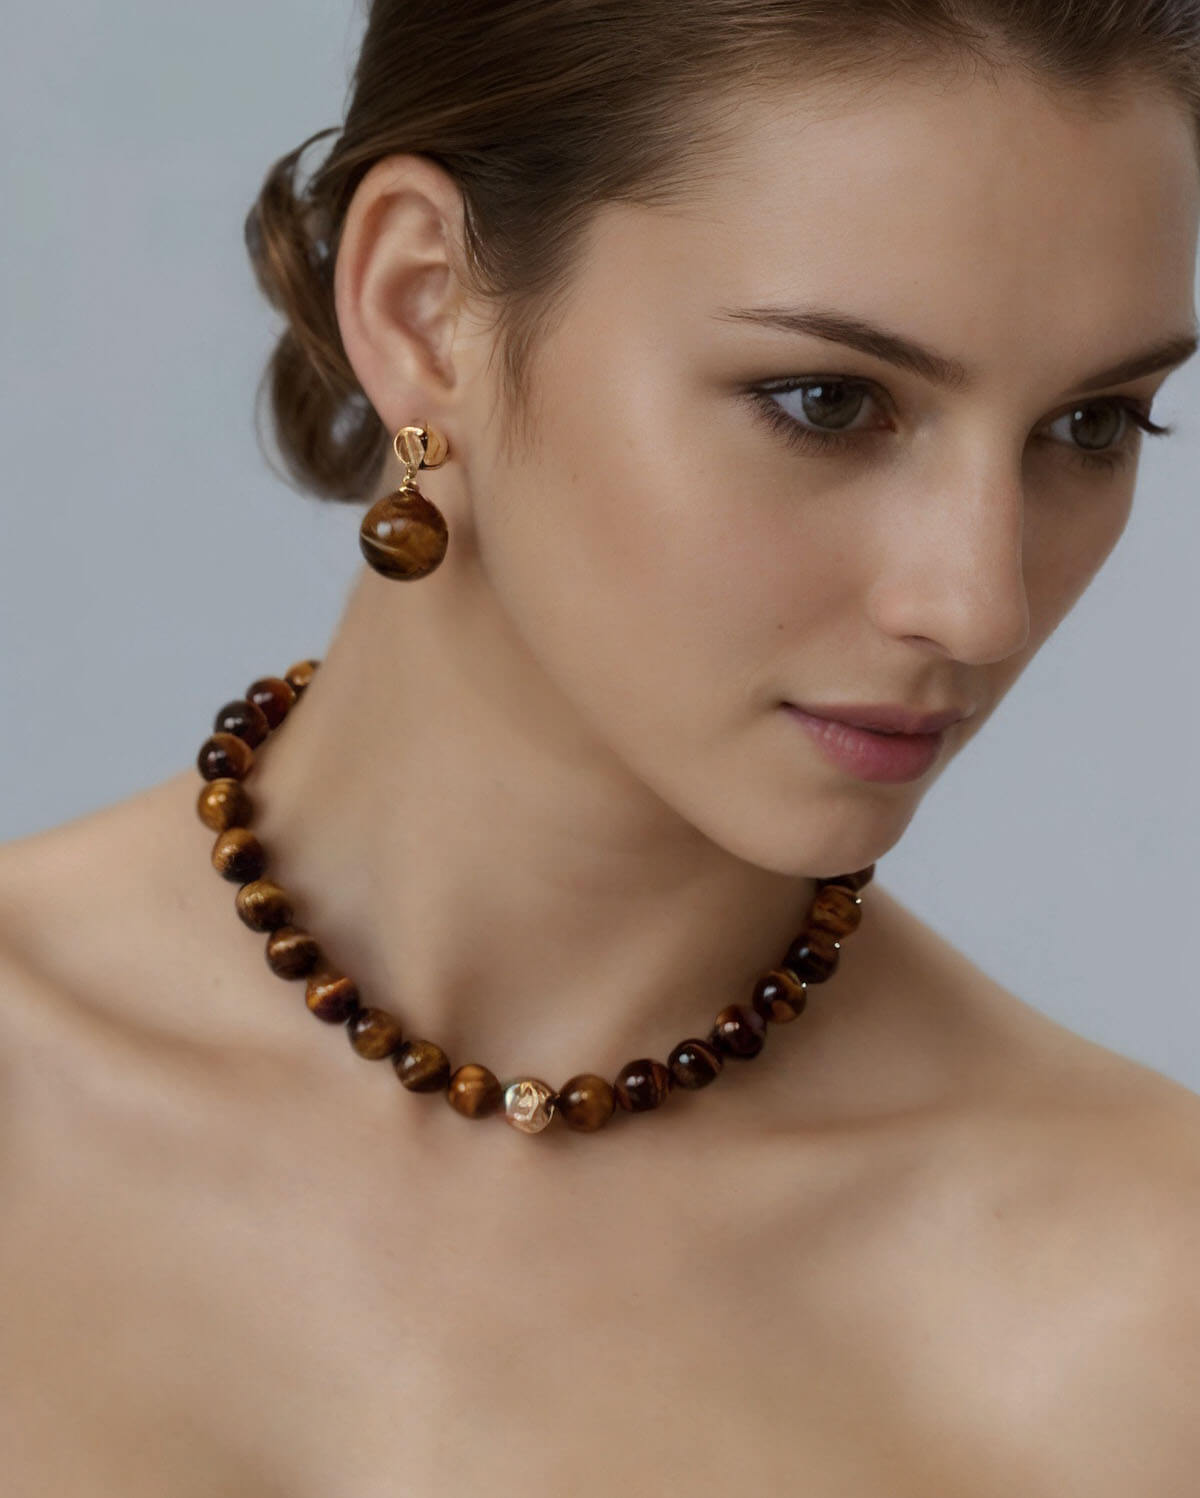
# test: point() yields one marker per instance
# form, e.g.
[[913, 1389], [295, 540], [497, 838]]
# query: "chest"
[[196, 1306]]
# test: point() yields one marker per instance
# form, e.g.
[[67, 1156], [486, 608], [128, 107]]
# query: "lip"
[[886, 716], [892, 757]]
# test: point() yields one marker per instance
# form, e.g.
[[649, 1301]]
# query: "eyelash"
[[817, 440]]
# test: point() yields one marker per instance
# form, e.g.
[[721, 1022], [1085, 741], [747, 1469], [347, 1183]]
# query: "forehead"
[[986, 210]]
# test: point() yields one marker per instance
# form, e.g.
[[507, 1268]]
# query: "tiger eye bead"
[[858, 880], [273, 695], [331, 997], [739, 1032], [694, 1063], [299, 675], [474, 1091], [529, 1104], [422, 1066], [374, 1033], [641, 1085], [291, 953], [779, 996], [586, 1102], [238, 855], [263, 905], [813, 956], [223, 756], [403, 536], [836, 909], [243, 719], [224, 803]]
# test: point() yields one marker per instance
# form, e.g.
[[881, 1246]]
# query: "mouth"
[[886, 753]]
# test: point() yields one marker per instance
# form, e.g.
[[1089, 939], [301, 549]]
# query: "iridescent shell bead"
[[529, 1104]]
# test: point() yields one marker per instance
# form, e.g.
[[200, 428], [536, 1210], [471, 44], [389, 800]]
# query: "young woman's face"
[[682, 556]]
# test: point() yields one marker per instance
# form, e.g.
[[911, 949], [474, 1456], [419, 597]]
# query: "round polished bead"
[[739, 1032], [587, 1102], [642, 1084], [836, 909], [694, 1063], [474, 1091], [291, 953], [331, 997], [274, 695], [375, 1034], [299, 675], [858, 880], [403, 536], [263, 905], [813, 956], [238, 855], [224, 803], [529, 1104], [779, 996], [223, 756], [244, 719], [422, 1066]]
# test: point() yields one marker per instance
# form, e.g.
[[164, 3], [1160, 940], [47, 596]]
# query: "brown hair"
[[541, 110]]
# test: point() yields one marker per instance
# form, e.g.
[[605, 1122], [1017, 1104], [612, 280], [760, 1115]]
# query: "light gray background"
[[151, 565]]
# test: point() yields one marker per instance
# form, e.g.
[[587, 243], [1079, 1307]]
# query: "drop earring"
[[403, 535]]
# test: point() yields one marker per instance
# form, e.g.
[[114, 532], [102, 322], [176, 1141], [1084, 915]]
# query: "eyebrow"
[[836, 326]]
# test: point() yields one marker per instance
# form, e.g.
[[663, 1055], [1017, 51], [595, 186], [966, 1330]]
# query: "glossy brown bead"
[[243, 719], [263, 905], [299, 675], [779, 996], [813, 956], [291, 953], [403, 536], [224, 803], [375, 1034], [642, 1084], [739, 1032], [694, 1063], [238, 855], [223, 756], [836, 909], [859, 879], [273, 695], [587, 1102], [332, 997], [474, 1091], [422, 1066]]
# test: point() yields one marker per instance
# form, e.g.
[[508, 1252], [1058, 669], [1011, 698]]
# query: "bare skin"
[[928, 1242]]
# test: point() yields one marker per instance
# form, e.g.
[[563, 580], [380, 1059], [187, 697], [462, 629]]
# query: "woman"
[[768, 366]]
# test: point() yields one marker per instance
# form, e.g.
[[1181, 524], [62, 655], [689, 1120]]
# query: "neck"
[[484, 869]]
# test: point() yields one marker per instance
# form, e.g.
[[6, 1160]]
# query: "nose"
[[950, 570]]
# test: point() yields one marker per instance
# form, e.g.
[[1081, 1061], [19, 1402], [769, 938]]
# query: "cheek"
[[1066, 544]]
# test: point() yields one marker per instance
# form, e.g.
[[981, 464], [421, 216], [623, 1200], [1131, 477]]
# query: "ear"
[[396, 290]]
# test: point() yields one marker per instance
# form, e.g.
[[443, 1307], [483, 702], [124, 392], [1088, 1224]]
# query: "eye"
[[821, 410]]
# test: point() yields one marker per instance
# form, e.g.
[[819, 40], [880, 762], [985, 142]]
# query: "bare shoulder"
[[1079, 1169]]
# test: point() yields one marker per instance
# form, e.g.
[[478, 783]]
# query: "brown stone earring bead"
[[474, 1091], [422, 1066], [238, 855], [274, 696], [587, 1101], [291, 953], [224, 756], [224, 803], [642, 1085], [403, 536], [375, 1034], [694, 1064], [263, 905]]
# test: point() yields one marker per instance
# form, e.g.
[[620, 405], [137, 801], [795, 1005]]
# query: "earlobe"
[[396, 294]]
